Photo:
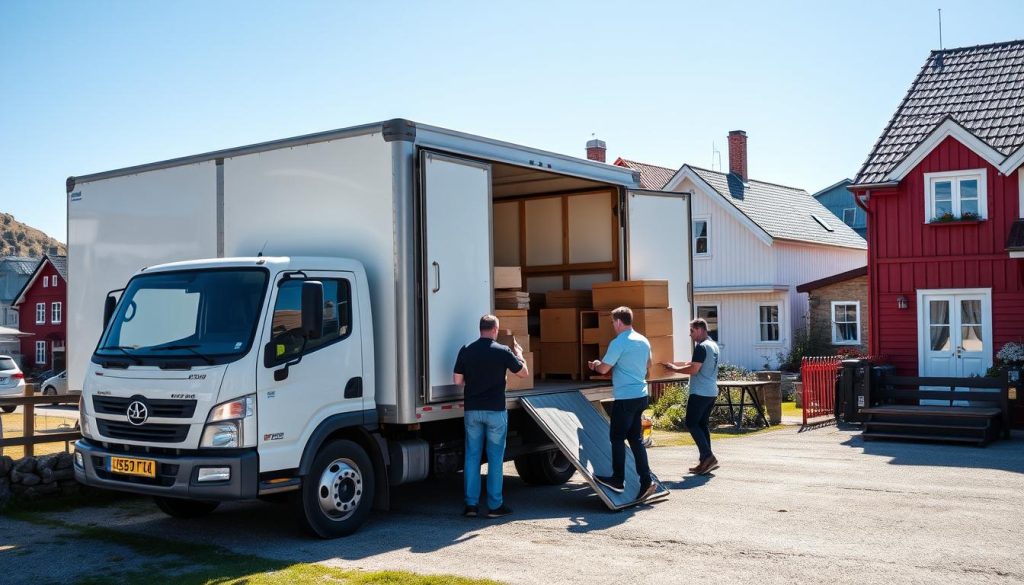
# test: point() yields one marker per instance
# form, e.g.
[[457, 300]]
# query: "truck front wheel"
[[337, 494], [181, 508], [545, 468]]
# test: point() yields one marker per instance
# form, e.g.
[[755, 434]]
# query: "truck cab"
[[213, 379]]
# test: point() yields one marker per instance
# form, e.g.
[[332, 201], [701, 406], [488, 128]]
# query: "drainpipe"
[[873, 348]]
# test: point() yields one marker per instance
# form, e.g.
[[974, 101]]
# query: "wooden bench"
[[979, 415]]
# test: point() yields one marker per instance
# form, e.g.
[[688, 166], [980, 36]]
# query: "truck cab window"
[[287, 322]]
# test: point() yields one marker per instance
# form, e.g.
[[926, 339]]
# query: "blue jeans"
[[485, 427], [698, 417]]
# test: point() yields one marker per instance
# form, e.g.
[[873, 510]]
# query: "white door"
[[457, 271], [956, 333], [658, 248]]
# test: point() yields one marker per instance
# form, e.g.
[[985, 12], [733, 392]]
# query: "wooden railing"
[[29, 438]]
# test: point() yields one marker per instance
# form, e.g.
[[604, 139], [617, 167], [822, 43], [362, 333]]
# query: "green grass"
[[664, 438], [790, 409]]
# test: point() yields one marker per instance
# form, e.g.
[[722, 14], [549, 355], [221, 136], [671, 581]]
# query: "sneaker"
[[616, 485], [646, 492], [710, 464], [471, 511], [500, 511]]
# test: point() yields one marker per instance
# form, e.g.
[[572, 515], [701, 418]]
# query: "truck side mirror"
[[108, 309], [312, 309]]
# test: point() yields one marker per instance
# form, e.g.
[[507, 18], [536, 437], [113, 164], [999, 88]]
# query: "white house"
[[754, 242]]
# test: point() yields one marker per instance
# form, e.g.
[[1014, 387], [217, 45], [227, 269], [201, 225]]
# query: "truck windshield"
[[196, 315]]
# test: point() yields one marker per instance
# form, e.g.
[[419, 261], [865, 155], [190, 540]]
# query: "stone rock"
[[46, 462], [5, 490], [46, 475], [25, 465], [18, 489], [65, 460], [41, 490], [30, 479], [6, 465], [63, 474], [70, 488]]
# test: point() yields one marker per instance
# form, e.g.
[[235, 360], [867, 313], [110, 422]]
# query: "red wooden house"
[[944, 195], [41, 306]]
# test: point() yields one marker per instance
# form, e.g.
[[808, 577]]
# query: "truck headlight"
[[231, 424]]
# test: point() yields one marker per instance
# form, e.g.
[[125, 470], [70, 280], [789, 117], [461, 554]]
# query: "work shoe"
[[710, 464], [646, 492], [471, 511], [500, 511], [695, 467], [616, 485]]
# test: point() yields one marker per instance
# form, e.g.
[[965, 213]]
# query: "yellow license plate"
[[129, 466]]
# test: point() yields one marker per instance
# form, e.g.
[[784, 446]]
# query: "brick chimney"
[[596, 150], [738, 154]]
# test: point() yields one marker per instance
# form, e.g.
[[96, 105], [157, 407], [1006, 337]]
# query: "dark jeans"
[[627, 426], [698, 417]]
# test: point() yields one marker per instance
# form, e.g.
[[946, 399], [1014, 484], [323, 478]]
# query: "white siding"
[[738, 256], [801, 263], [738, 328]]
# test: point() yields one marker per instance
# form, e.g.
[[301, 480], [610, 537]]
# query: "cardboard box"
[[508, 277], [511, 299], [591, 336], [513, 320], [661, 351], [567, 299], [647, 322], [514, 382], [559, 325], [635, 294], [560, 358], [509, 338]]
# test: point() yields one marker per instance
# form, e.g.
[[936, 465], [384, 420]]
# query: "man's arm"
[[458, 379], [699, 355], [524, 371], [605, 365]]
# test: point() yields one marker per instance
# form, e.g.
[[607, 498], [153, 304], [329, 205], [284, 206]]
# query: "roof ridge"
[[982, 46], [636, 162], [748, 180]]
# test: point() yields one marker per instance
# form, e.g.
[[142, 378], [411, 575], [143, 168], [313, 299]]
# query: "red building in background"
[[42, 305], [944, 193]]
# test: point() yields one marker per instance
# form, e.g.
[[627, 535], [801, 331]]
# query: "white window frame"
[[836, 339], [14, 317], [53, 281], [40, 313], [955, 177], [40, 352], [693, 225], [780, 322], [853, 212], [46, 282], [718, 311], [56, 312]]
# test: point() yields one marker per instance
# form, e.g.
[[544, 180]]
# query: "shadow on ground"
[[1005, 455]]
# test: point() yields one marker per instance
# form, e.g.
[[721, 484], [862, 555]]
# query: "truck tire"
[[337, 494], [545, 468], [182, 508]]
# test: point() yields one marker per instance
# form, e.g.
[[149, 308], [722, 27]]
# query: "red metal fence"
[[819, 375]]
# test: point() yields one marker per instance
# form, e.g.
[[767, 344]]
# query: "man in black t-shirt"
[[481, 367]]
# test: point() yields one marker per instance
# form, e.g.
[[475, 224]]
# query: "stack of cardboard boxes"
[[652, 317], [560, 332], [512, 306]]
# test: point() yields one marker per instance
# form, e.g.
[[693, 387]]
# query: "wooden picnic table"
[[747, 388]]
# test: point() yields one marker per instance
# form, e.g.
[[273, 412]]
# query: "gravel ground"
[[815, 507]]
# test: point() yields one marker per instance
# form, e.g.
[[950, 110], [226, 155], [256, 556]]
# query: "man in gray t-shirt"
[[703, 371]]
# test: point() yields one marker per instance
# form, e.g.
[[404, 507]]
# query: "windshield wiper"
[[124, 349], [192, 348]]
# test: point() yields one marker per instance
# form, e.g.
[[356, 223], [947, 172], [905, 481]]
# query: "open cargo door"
[[581, 433], [456, 231], [658, 248]]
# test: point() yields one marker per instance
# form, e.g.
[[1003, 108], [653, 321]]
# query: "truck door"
[[326, 381], [456, 231], [658, 248]]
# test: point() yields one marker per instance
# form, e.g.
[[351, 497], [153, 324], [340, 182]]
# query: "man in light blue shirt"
[[703, 371], [628, 358]]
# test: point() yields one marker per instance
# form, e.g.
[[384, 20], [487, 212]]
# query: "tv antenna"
[[715, 155]]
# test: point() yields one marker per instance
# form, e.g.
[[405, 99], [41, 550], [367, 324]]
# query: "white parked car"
[[12, 380], [56, 384]]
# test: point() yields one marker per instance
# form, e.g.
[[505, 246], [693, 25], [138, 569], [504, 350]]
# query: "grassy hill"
[[18, 239]]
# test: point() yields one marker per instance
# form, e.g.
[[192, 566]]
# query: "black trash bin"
[[852, 390]]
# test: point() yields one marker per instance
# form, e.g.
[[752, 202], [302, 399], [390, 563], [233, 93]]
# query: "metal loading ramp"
[[581, 432]]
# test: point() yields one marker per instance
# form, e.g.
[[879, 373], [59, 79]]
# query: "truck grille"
[[153, 433], [159, 408]]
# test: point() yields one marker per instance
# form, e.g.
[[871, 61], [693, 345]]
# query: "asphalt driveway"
[[815, 507]]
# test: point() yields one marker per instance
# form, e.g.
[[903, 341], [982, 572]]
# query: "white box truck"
[[280, 321]]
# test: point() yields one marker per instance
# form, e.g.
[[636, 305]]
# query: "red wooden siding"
[[47, 331], [906, 254]]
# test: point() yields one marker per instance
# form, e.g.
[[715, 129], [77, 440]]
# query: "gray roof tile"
[[651, 176], [980, 87]]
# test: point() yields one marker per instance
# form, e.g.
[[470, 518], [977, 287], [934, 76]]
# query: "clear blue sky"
[[93, 86]]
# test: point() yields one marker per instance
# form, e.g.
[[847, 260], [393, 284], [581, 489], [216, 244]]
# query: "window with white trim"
[[40, 352], [701, 237], [850, 216], [56, 312], [13, 317], [53, 281], [710, 314], [46, 282], [846, 322], [956, 194], [768, 322], [40, 313]]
